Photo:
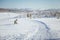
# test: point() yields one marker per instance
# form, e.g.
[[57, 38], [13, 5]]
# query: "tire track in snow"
[[45, 25]]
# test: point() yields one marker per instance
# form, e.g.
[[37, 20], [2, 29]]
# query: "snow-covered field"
[[54, 26], [28, 29]]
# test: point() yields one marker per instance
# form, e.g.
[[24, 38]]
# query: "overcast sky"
[[34, 4]]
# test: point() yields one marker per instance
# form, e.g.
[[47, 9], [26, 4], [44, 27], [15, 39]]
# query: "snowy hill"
[[28, 29], [25, 27]]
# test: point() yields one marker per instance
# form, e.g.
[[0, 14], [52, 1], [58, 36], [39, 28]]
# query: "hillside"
[[28, 29]]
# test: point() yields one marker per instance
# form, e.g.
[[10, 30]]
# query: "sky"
[[33, 4]]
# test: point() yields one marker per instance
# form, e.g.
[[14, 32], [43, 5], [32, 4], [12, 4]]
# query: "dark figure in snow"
[[29, 15], [15, 21]]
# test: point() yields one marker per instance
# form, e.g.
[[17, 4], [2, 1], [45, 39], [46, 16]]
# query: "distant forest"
[[38, 12]]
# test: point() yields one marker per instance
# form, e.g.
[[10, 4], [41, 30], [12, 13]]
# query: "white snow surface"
[[53, 24], [28, 29], [4, 15]]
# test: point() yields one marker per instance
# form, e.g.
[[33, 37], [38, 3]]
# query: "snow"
[[53, 24], [24, 26], [5, 15], [28, 29]]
